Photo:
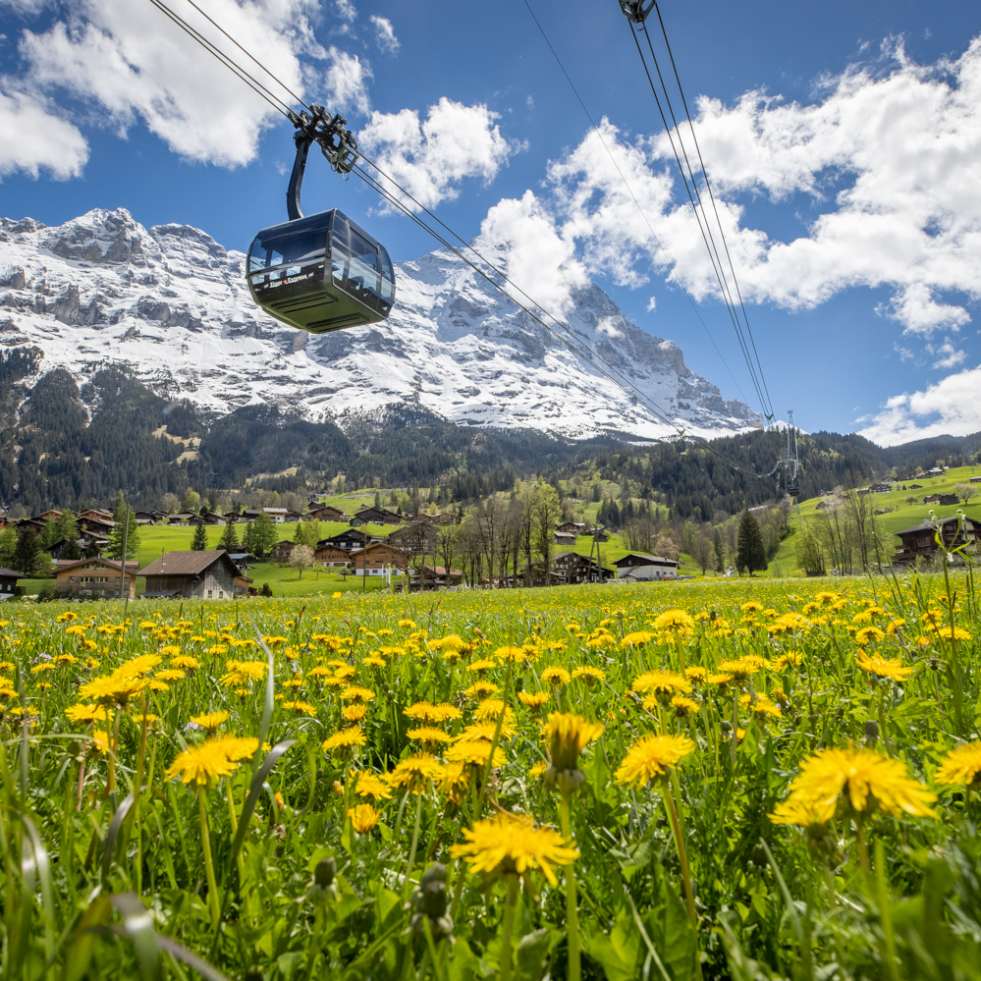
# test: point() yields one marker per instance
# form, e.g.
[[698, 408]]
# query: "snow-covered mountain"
[[171, 304]]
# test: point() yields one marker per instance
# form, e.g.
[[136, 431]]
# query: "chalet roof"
[[650, 559], [10, 574], [186, 563], [928, 525], [131, 567]]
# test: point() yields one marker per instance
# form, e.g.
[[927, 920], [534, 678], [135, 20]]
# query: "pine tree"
[[124, 528], [200, 541], [229, 538], [750, 552], [720, 552], [26, 553], [265, 536], [248, 540], [8, 546]]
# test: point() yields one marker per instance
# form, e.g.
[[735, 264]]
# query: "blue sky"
[[851, 177]]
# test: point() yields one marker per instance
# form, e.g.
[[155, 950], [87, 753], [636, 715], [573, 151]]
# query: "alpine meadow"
[[490, 492]]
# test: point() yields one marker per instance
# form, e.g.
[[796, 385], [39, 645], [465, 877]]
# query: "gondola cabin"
[[321, 273]]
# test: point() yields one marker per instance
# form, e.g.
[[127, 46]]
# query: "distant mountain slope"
[[170, 305]]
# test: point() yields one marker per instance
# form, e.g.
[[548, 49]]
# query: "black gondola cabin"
[[321, 273]]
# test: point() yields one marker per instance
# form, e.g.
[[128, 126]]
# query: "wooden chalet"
[[348, 540], [644, 567], [571, 567], [282, 551], [147, 517], [941, 499], [565, 538], [210, 574], [376, 516], [85, 546], [52, 514], [181, 518], [332, 556], [326, 512], [428, 577], [418, 538], [572, 527], [95, 578], [96, 525], [8, 583], [919, 543], [378, 559]]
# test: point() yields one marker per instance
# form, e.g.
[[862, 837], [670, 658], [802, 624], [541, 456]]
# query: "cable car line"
[[557, 326], [628, 185], [704, 229], [708, 185]]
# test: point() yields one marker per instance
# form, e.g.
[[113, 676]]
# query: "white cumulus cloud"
[[33, 137], [347, 82], [430, 157], [521, 235], [127, 61], [384, 33], [950, 407]]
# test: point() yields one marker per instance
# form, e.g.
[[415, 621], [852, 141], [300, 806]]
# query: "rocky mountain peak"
[[172, 306]]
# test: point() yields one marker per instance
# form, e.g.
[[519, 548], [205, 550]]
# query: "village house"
[[376, 516], [145, 517], [881, 488], [210, 574], [565, 538], [180, 518], [973, 480], [433, 577], [641, 566], [919, 543], [95, 577], [572, 527], [378, 559], [349, 539], [332, 556], [325, 512], [571, 567], [282, 550], [941, 499], [85, 546], [52, 514], [419, 538], [8, 583]]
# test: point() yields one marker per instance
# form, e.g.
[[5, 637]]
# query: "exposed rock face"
[[171, 304]]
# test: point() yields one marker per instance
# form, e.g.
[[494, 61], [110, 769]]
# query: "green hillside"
[[898, 514]]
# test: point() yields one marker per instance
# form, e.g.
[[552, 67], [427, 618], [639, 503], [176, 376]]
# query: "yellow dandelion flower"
[[428, 712], [652, 757], [416, 773], [511, 844], [859, 777], [882, 667], [556, 676], [203, 765], [86, 713], [354, 713], [475, 752], [588, 674], [368, 784], [637, 638], [567, 735], [534, 699], [210, 721], [661, 682], [869, 635], [344, 740], [363, 818], [961, 766], [429, 736]]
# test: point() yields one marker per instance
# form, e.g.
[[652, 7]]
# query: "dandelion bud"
[[431, 902], [323, 874], [567, 735]]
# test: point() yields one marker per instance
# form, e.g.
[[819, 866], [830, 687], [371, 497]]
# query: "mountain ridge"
[[170, 305]]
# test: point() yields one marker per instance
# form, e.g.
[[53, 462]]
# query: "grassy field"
[[899, 513], [754, 779]]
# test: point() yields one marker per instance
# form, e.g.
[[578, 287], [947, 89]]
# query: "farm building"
[[8, 583], [325, 512], [349, 539], [376, 516], [332, 556], [378, 559], [919, 543], [95, 577], [418, 538], [434, 577], [571, 567], [282, 550], [210, 574], [565, 538], [640, 565]]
